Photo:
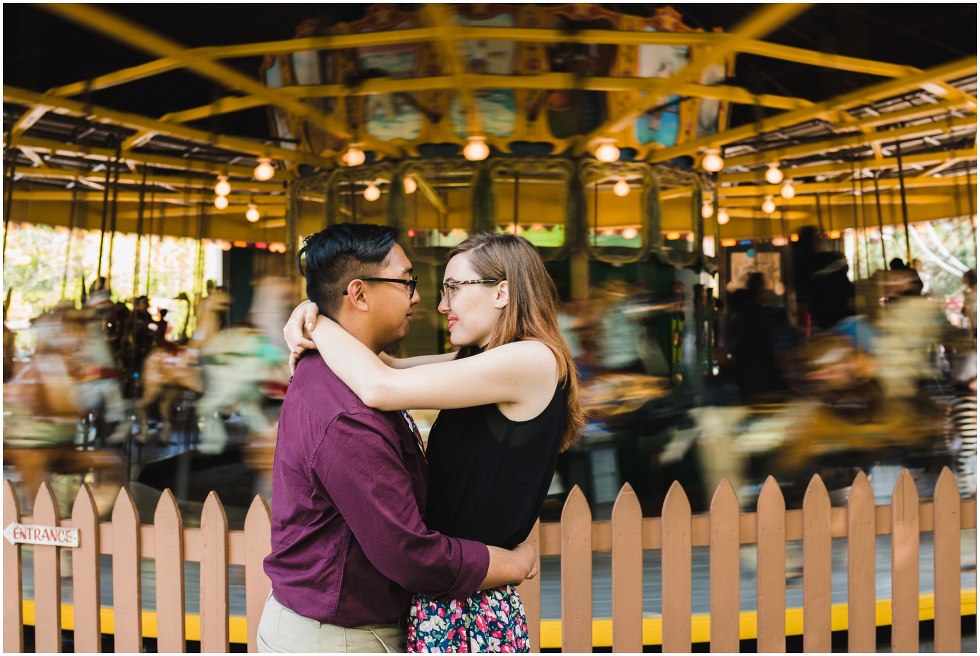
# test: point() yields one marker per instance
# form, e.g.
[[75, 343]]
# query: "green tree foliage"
[[35, 269]]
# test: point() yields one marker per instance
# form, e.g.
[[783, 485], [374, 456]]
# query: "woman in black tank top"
[[510, 403]]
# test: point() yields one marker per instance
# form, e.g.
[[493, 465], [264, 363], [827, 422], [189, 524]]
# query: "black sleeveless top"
[[488, 475]]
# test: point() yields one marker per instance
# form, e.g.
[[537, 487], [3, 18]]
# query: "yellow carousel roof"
[[505, 108]]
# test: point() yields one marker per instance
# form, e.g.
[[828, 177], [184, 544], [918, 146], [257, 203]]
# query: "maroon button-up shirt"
[[348, 542]]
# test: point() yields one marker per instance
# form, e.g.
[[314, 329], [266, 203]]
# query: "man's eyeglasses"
[[450, 287], [411, 283]]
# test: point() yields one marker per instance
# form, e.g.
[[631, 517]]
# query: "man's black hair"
[[333, 257]]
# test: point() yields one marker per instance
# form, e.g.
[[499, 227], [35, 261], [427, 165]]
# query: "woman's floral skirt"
[[489, 621]]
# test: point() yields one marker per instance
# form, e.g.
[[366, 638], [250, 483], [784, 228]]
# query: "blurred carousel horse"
[[244, 366], [68, 377], [172, 371]]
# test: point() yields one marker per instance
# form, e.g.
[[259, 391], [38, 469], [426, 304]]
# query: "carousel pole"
[[71, 233], [193, 299], [864, 223], [351, 199], [105, 209], [595, 214], [149, 240], [973, 211], [881, 224], [905, 205], [830, 214], [816, 199], [517, 189], [115, 203], [139, 234], [854, 210], [8, 201]]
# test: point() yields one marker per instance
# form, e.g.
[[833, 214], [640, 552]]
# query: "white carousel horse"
[[240, 363]]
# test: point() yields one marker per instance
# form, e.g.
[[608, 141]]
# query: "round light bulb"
[[768, 206], [630, 233], [221, 202], [264, 170], [773, 174], [372, 193], [354, 155], [621, 188], [223, 188], [712, 161], [476, 149], [723, 217], [707, 211], [607, 151], [410, 184], [788, 191], [252, 213]]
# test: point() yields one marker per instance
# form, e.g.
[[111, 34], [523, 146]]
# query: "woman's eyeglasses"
[[450, 287], [411, 283]]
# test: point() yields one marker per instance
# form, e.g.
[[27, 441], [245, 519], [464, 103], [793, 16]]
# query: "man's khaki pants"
[[282, 630]]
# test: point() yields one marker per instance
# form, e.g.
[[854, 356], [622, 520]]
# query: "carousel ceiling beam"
[[837, 199], [533, 35], [27, 121], [939, 168], [173, 211], [128, 196], [153, 159], [871, 123], [154, 178], [859, 140], [140, 38], [827, 110], [436, 15], [134, 121], [843, 187], [745, 213], [39, 164], [840, 168], [476, 81], [763, 21], [807, 190]]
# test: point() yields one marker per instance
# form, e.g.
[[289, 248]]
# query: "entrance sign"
[[50, 535]]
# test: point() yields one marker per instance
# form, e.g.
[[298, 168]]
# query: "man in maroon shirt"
[[348, 543]]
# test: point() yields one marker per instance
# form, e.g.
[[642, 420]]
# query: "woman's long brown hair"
[[531, 313]]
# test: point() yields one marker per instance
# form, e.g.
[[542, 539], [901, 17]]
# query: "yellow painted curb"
[[747, 621], [551, 629]]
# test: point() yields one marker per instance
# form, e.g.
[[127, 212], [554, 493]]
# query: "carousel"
[[621, 145], [694, 177]]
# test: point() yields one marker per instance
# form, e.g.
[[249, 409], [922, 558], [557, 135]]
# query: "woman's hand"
[[297, 331], [529, 553]]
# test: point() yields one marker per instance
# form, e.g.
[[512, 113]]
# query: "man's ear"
[[355, 295], [503, 295]]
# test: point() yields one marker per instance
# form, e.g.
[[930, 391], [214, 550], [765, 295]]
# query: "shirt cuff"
[[473, 569]]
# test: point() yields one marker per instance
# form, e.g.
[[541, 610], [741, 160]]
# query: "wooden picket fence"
[[575, 539]]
